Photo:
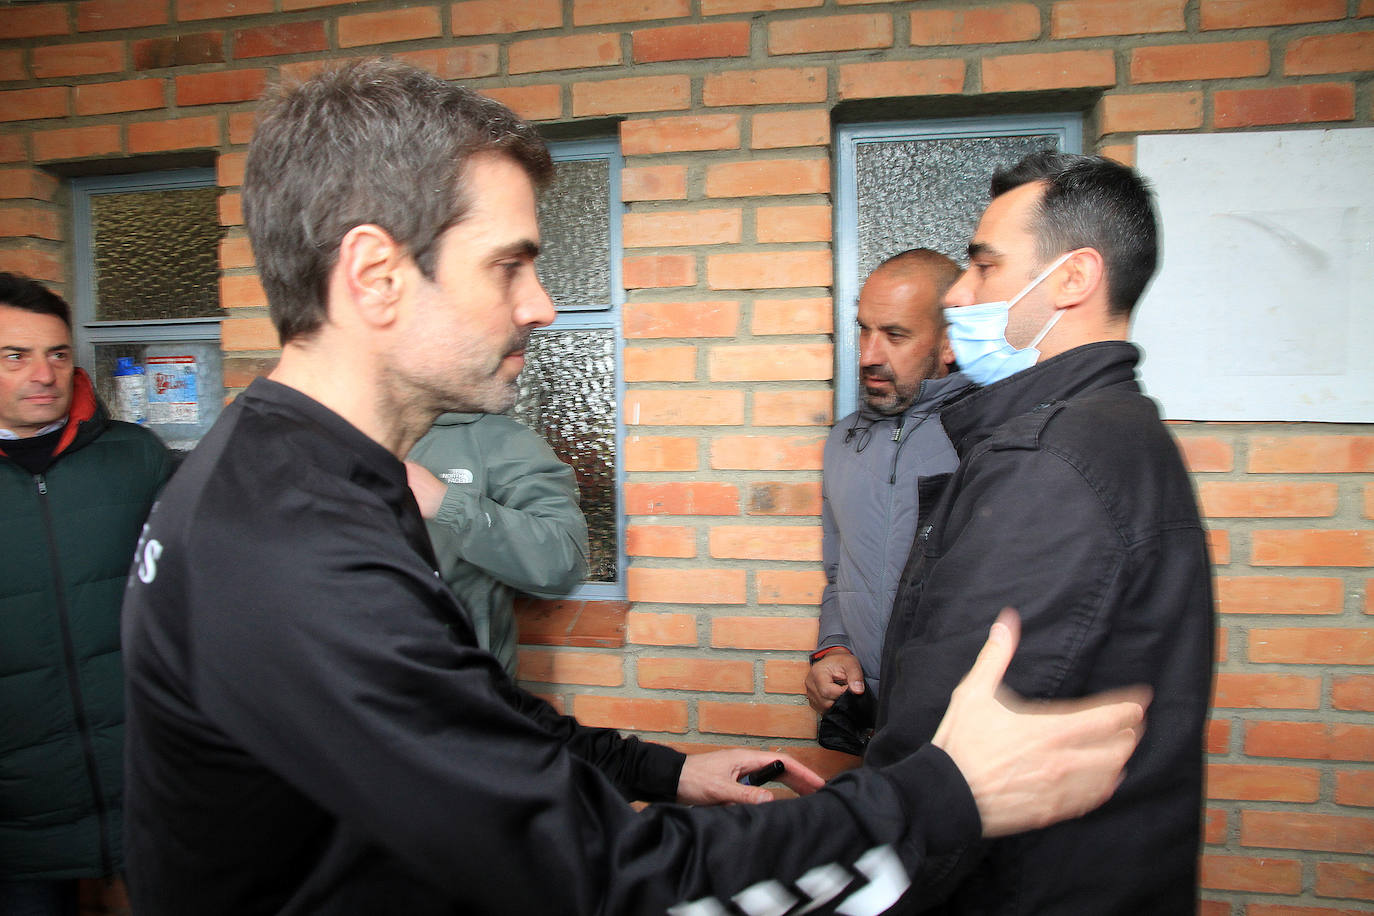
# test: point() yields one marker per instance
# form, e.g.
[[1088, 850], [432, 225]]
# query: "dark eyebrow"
[[525, 247], [982, 249]]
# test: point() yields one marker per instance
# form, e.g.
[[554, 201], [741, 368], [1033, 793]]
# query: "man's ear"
[[947, 351], [1083, 278], [370, 267]]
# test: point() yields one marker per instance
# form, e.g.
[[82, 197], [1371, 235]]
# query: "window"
[[571, 387], [146, 250], [918, 184]]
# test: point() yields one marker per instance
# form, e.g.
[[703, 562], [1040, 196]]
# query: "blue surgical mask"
[[978, 334]]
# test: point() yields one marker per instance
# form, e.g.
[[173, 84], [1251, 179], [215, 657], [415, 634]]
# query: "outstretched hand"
[[711, 778], [1031, 764]]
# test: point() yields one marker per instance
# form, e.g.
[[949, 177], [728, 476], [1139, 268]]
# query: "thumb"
[[995, 656], [856, 685], [740, 794]]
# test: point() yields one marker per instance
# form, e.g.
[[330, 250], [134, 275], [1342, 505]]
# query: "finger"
[[993, 659], [797, 776]]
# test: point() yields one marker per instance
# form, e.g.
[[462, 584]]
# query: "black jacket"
[[312, 728], [1071, 504]]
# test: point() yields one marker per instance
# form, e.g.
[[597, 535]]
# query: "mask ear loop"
[[1058, 313]]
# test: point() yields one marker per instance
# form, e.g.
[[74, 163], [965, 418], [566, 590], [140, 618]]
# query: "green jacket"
[[509, 521], [65, 548]]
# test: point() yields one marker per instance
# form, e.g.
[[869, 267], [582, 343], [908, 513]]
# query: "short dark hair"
[[21, 292], [1092, 202], [373, 142]]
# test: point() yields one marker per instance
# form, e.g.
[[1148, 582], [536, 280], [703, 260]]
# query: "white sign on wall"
[[1263, 308]]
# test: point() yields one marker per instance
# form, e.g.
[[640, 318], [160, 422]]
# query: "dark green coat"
[[65, 546]]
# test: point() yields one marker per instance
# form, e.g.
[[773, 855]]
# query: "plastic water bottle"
[[131, 392]]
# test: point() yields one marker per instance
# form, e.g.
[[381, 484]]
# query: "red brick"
[[40, 264], [679, 134], [1311, 455], [1242, 14], [780, 129], [1354, 692], [792, 316], [1310, 741], [669, 228], [774, 270], [756, 719], [1279, 595], [778, 498], [635, 93], [1221, 60], [239, 372], [764, 633], [681, 319], [1056, 70], [660, 364], [627, 713], [12, 65], [78, 59], [1355, 788], [1284, 909], [985, 25], [767, 177], [97, 15], [564, 52], [1218, 736], [901, 78], [241, 292], [13, 148], [654, 182], [287, 38], [1345, 879], [1312, 548], [18, 184], [790, 586], [1299, 830], [676, 407], [406, 24], [690, 498], [586, 624], [1366, 9], [554, 667], [766, 453], [661, 629], [1254, 875], [1313, 645], [784, 675], [659, 271], [464, 62], [1152, 111], [766, 542], [229, 169], [691, 42], [770, 363], [685, 586], [224, 86], [597, 12], [1283, 105], [230, 209], [235, 253], [1214, 831], [830, 33], [499, 17], [717, 676], [765, 87], [178, 50], [1123, 153], [34, 21], [248, 334], [1219, 546], [793, 224], [535, 103], [793, 408], [1243, 499], [1266, 691], [725, 7], [77, 142], [1206, 453], [660, 453], [1094, 18], [22, 221], [126, 95], [182, 133], [660, 541], [1263, 783], [33, 104], [188, 10]]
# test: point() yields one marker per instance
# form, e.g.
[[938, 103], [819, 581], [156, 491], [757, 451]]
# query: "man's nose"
[[43, 372], [961, 293], [871, 352], [537, 309]]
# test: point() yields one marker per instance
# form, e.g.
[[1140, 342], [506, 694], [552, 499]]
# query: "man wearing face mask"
[[1071, 504], [881, 465]]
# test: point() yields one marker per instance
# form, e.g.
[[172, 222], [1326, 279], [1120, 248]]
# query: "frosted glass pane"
[[567, 395], [575, 230], [928, 193], [156, 254]]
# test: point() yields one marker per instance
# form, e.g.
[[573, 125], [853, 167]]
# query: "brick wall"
[[725, 111]]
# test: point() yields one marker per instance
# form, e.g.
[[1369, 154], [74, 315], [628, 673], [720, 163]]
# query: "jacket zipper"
[[74, 683], [896, 437]]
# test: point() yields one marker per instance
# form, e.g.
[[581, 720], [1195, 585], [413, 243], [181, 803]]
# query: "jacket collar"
[[1096, 365], [933, 393]]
